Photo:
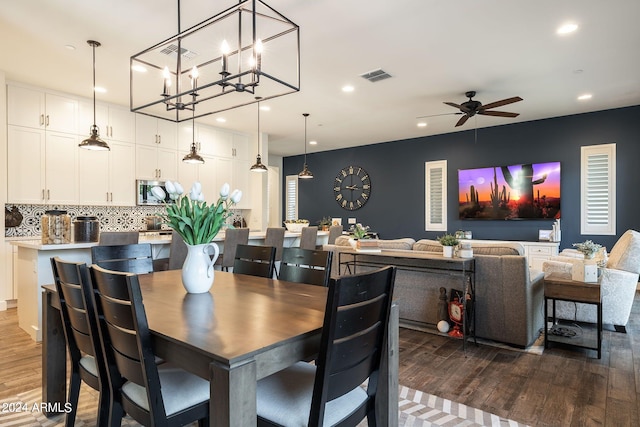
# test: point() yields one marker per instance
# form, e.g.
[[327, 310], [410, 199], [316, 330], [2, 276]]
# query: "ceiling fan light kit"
[[221, 63]]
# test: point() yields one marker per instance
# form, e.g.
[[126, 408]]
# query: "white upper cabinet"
[[107, 177], [156, 163], [114, 123], [241, 148], [156, 132], [214, 142], [40, 110]]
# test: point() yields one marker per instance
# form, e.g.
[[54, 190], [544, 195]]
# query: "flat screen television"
[[516, 192]]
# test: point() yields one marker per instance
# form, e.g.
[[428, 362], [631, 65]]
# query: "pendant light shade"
[[193, 156], [94, 142], [306, 173], [258, 166]]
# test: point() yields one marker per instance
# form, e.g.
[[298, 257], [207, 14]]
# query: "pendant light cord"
[[93, 45], [305, 137]]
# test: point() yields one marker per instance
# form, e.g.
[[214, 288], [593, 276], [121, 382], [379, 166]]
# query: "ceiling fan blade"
[[498, 113], [451, 104], [462, 120], [436, 115], [501, 103]]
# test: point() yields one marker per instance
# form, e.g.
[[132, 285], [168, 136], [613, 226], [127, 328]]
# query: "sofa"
[[618, 282], [509, 297]]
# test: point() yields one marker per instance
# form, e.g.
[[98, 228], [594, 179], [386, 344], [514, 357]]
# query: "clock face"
[[352, 187]]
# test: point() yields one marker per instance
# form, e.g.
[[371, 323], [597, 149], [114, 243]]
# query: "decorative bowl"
[[296, 227]]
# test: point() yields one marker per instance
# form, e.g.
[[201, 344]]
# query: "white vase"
[[353, 242], [447, 251], [197, 270]]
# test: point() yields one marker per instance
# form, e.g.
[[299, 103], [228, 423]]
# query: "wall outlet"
[[351, 220]]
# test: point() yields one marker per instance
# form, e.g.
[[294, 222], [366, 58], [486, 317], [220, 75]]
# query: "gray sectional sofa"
[[509, 297]]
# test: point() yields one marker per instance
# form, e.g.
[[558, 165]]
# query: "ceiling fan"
[[470, 108]]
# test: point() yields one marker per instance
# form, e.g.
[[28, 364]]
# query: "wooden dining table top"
[[238, 318]]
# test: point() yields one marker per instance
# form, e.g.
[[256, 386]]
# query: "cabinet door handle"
[[159, 139], [42, 123], [43, 194], [48, 194], [47, 121], [159, 173]]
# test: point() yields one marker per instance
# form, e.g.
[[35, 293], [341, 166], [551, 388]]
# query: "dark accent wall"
[[397, 204]]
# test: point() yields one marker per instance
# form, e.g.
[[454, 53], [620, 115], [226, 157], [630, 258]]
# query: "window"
[[436, 195], [598, 189], [291, 197]]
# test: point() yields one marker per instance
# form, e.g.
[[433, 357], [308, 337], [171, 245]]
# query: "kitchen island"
[[32, 267]]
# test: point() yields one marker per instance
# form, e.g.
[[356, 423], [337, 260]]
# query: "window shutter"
[[598, 189], [291, 198], [436, 195]]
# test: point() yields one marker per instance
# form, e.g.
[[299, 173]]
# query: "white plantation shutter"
[[598, 189], [291, 197], [436, 195]]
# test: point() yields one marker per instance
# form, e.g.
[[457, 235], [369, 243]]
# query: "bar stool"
[[275, 237], [308, 237], [232, 238]]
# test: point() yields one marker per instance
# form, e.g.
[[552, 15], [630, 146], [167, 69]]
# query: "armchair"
[[617, 286]]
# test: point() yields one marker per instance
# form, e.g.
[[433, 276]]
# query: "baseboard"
[[3, 305]]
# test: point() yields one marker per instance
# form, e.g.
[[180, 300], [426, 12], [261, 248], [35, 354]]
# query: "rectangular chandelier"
[[249, 50]]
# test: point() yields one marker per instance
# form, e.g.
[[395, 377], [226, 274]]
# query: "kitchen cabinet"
[[37, 109], [214, 142], [156, 132], [114, 123], [42, 166], [156, 163], [7, 285], [107, 177], [212, 174]]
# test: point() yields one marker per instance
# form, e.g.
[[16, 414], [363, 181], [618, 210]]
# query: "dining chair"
[[329, 392], [306, 266], [232, 238], [334, 232], [177, 251], [80, 328], [308, 237], [152, 394], [275, 237], [135, 258], [118, 237], [254, 260]]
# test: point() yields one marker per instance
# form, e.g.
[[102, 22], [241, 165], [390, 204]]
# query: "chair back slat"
[[255, 260], [353, 333], [136, 258], [118, 238], [306, 266]]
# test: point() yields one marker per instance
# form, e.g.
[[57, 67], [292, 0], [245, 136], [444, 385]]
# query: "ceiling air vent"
[[172, 48], [376, 75]]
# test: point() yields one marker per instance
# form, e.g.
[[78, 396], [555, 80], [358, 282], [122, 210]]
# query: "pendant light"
[[306, 173], [94, 142], [193, 156], [258, 166]]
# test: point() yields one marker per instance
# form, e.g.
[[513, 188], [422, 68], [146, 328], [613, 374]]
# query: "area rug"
[[416, 409]]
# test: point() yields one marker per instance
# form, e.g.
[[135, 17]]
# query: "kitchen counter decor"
[[198, 224]]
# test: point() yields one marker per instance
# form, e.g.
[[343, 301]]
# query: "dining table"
[[244, 329]]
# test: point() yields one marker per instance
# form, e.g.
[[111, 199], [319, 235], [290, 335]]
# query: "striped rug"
[[416, 409]]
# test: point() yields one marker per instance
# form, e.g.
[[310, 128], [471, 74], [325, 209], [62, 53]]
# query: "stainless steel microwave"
[[145, 197]]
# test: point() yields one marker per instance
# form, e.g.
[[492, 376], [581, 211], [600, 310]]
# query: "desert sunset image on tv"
[[526, 191]]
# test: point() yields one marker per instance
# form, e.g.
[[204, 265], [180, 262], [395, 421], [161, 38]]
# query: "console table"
[[464, 268], [556, 288], [536, 252]]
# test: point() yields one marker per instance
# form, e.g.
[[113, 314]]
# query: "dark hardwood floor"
[[563, 387]]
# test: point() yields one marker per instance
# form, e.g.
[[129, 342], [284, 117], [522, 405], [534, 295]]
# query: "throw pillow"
[[625, 254]]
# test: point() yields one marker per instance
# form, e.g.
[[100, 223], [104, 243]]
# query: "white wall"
[[6, 268]]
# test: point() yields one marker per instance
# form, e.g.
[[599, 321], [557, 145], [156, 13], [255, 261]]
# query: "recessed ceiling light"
[[422, 125], [584, 97], [313, 142], [221, 120], [100, 89], [139, 68], [265, 108], [567, 28], [347, 88], [69, 47]]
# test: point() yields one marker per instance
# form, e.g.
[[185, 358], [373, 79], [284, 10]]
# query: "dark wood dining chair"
[[118, 238], [351, 346], [232, 238], [152, 394], [80, 327], [306, 266], [275, 237], [308, 237], [177, 251], [125, 258], [254, 260]]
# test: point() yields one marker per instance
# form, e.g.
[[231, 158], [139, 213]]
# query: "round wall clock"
[[352, 187]]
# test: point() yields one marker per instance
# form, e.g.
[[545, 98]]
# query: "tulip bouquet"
[[190, 215]]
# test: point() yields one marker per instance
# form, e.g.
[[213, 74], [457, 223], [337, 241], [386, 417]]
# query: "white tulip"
[[201, 197], [179, 188], [224, 190], [194, 196], [158, 193], [197, 187], [236, 196], [171, 189]]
